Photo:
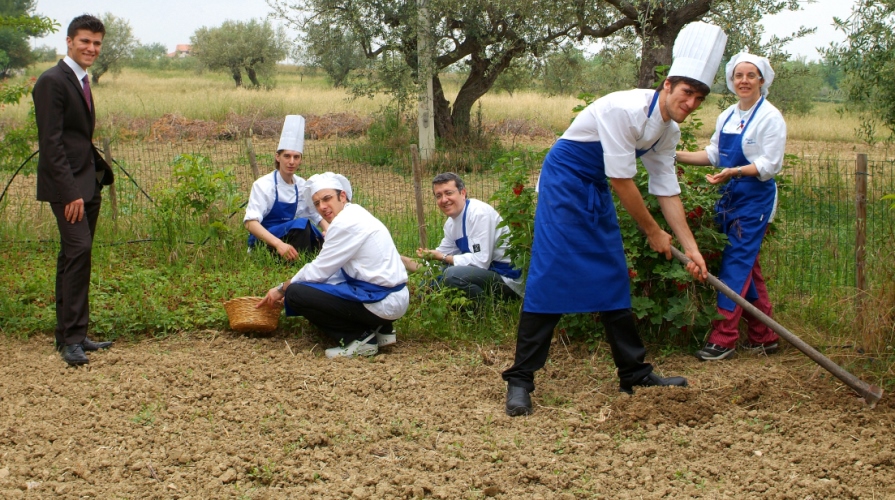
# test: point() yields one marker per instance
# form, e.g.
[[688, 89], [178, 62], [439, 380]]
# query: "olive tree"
[[119, 44], [486, 36], [236, 46], [867, 57]]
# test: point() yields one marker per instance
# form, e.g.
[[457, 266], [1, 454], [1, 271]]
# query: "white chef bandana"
[[327, 180], [697, 52], [293, 135], [761, 63]]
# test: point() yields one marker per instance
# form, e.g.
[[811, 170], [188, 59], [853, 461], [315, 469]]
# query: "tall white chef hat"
[[326, 180], [697, 52], [293, 135], [761, 63]]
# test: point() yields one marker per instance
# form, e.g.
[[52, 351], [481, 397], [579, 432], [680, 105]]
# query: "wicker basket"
[[244, 317]]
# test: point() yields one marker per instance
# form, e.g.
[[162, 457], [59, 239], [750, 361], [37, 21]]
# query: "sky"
[[172, 22]]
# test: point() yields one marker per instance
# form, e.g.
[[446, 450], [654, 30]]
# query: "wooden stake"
[[418, 194], [250, 147], [860, 249]]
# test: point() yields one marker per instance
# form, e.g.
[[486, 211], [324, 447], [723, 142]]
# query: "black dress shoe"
[[518, 401], [651, 380], [90, 345], [74, 355]]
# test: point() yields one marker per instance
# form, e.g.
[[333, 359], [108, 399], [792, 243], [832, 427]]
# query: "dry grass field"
[[149, 95]]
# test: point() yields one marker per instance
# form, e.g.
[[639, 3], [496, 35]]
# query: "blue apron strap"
[[640, 152], [352, 289], [463, 243], [505, 269]]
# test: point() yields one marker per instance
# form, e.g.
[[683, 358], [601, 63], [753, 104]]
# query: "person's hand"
[[723, 176], [287, 251], [273, 299], [425, 253], [74, 211], [660, 241], [696, 267]]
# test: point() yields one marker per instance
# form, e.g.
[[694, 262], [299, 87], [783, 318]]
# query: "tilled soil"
[[217, 415]]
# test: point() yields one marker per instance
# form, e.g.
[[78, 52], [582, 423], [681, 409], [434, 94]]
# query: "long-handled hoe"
[[870, 393]]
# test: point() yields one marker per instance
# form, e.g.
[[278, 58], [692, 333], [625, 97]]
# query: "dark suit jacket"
[[69, 166]]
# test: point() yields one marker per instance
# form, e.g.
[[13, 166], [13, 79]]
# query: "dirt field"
[[216, 415]]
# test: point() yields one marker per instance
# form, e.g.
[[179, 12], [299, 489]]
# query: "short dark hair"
[[698, 86], [448, 177], [86, 22]]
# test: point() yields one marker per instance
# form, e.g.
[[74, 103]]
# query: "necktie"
[[86, 90]]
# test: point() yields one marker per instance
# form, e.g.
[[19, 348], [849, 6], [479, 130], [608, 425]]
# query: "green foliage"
[[17, 142], [868, 60], [795, 86], [237, 46], [335, 51], [196, 204], [45, 53], [118, 46], [17, 25], [516, 203]]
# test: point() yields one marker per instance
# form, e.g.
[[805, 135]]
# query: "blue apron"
[[577, 259], [501, 268], [352, 289], [281, 218], [742, 212]]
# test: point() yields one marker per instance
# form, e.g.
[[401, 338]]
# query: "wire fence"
[[810, 251]]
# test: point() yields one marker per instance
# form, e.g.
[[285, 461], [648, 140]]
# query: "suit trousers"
[[342, 320], [73, 270], [536, 331]]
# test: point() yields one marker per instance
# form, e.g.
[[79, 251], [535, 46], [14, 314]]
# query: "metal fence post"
[[860, 248]]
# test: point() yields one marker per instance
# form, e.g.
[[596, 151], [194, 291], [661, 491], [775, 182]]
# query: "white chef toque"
[[293, 135], [326, 180], [761, 63], [697, 52]]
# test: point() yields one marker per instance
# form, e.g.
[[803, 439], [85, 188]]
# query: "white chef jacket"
[[764, 142], [361, 245], [262, 198], [619, 122], [484, 239]]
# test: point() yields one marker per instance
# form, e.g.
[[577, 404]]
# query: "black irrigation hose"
[[15, 174], [132, 180], [129, 176]]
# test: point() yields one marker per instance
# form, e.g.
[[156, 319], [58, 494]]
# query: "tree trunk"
[[252, 76], [656, 52], [658, 35], [237, 76], [444, 128]]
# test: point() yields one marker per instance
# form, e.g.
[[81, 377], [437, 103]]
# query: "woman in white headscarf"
[[747, 147]]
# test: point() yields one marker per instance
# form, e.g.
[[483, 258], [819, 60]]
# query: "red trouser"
[[725, 332]]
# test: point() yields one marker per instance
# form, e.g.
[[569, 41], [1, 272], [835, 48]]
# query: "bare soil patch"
[[216, 415]]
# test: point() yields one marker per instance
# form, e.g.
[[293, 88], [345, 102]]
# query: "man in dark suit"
[[70, 175]]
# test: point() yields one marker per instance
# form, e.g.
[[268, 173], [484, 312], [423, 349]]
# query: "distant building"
[[182, 50]]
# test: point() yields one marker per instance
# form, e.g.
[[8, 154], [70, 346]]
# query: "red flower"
[[632, 273], [517, 190], [699, 211], [692, 215], [680, 286]]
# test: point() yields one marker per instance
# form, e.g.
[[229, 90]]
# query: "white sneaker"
[[384, 339], [356, 348]]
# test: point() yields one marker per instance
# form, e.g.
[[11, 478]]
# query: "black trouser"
[[340, 319], [536, 331], [478, 282], [73, 270]]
